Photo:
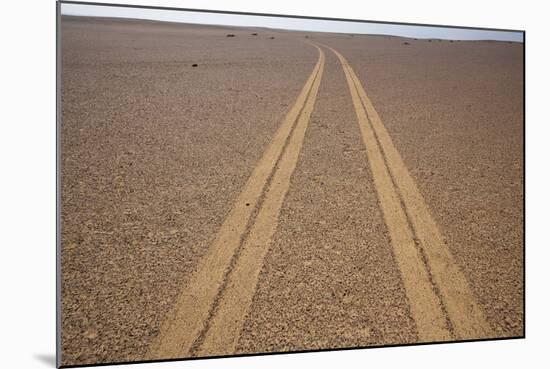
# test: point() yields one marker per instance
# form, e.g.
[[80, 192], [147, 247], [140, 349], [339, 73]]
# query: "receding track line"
[[188, 318], [424, 303], [466, 315], [226, 324], [457, 301]]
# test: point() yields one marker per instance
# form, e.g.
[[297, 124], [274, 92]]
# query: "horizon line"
[[288, 23]]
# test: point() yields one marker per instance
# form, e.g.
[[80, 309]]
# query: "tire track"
[[188, 321], [225, 326], [441, 300]]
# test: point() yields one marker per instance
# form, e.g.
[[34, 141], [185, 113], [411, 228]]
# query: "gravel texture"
[[154, 152], [455, 113], [163, 123], [329, 279]]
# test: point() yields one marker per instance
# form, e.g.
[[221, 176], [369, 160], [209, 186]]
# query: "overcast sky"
[[290, 23]]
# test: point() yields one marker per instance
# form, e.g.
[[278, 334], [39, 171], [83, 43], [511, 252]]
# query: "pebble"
[[91, 333]]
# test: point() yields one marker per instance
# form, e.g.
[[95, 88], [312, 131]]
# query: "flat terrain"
[[261, 193], [455, 113]]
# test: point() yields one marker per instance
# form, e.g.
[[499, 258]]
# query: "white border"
[[27, 152]]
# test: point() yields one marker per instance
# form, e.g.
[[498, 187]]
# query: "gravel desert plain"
[[234, 190]]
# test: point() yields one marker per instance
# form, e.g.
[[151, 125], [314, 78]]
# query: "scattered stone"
[[406, 43], [195, 65], [254, 34], [230, 35], [272, 37], [91, 333]]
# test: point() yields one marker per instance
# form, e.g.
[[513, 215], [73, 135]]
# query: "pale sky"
[[290, 23]]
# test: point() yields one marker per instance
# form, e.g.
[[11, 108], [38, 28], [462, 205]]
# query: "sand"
[[155, 151], [461, 136]]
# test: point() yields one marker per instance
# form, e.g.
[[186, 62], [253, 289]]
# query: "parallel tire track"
[[189, 318], [226, 324], [437, 289]]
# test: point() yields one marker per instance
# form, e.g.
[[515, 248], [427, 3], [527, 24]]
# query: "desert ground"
[[276, 191]]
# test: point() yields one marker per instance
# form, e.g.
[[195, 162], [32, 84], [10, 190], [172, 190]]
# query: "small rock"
[[91, 333], [195, 65], [230, 35]]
